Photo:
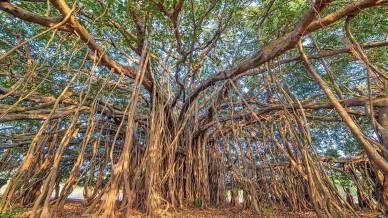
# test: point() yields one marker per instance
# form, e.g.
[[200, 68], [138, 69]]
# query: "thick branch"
[[284, 43], [76, 27], [32, 17], [361, 101]]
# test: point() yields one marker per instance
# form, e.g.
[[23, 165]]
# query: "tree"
[[156, 104]]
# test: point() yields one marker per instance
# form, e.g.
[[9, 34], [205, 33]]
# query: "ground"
[[74, 209]]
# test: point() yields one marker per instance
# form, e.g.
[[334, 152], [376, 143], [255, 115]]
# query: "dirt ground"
[[74, 209]]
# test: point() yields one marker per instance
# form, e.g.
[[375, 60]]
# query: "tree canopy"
[[152, 105]]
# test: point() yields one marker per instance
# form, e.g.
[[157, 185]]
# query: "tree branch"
[[284, 43], [32, 17]]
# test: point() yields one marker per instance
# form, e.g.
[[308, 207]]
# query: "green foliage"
[[197, 203], [11, 213], [342, 180]]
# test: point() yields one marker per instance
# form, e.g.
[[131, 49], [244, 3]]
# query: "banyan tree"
[[154, 105]]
